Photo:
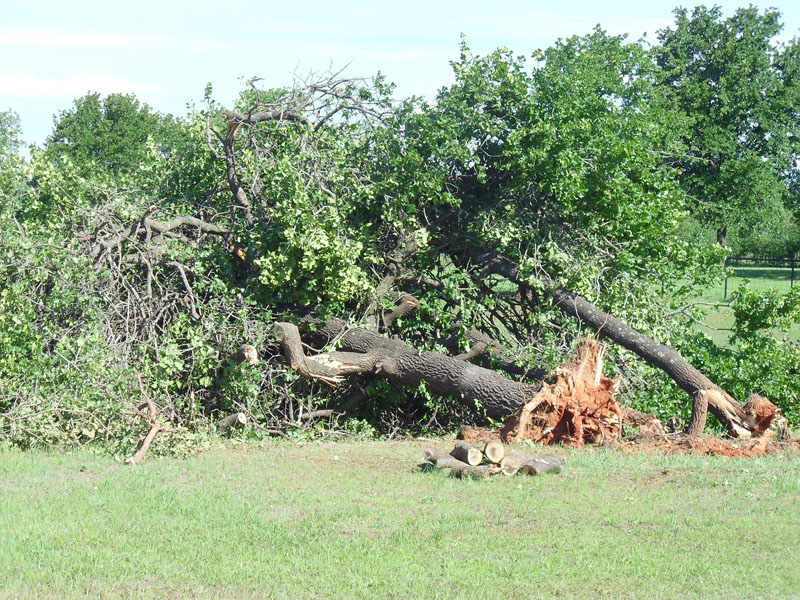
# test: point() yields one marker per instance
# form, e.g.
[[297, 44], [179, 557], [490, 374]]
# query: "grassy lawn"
[[354, 520], [761, 278]]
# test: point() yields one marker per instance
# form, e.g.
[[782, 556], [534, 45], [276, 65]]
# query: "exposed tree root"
[[576, 405]]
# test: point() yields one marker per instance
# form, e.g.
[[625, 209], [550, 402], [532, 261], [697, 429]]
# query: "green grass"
[[355, 521], [761, 278]]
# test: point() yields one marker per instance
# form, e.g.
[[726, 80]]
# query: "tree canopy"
[[435, 244], [108, 133], [739, 90]]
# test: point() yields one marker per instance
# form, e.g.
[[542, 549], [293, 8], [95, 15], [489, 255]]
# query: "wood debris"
[[485, 464]]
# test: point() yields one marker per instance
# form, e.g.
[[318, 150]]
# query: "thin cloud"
[[91, 39], [355, 51], [26, 85]]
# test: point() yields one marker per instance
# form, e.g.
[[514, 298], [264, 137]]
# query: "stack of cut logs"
[[465, 461]]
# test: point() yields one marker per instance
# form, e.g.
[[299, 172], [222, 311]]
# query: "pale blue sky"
[[165, 51]]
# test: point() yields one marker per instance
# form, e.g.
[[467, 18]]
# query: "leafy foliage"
[[740, 91], [137, 244], [109, 134]]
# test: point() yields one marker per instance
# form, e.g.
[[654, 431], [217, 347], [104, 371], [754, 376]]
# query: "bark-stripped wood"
[[494, 451]]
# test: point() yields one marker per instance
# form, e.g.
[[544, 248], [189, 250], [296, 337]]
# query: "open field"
[[761, 278], [354, 520]]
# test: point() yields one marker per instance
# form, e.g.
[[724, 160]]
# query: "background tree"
[[109, 133], [739, 89]]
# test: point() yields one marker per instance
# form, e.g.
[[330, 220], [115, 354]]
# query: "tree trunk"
[[367, 353], [722, 405], [697, 424], [722, 236]]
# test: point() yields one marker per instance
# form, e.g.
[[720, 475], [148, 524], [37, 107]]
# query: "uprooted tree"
[[420, 205], [455, 249]]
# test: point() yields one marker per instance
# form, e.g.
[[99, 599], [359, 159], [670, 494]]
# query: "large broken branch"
[[148, 225], [367, 353]]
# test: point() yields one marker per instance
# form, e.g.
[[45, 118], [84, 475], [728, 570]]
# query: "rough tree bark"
[[367, 353]]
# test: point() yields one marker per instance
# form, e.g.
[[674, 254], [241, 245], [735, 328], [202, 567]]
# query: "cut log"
[[235, 420], [543, 464], [432, 455], [494, 451], [474, 472], [529, 464], [466, 453], [513, 461], [450, 462], [441, 460]]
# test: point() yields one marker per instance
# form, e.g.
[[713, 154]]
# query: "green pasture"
[[720, 318], [761, 278], [355, 520]]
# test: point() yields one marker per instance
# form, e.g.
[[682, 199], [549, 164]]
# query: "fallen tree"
[[752, 419], [434, 232], [578, 404], [458, 250]]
